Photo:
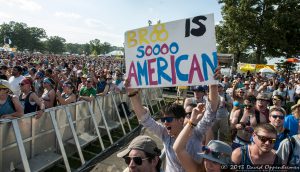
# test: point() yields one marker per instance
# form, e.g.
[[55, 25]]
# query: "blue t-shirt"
[[279, 138], [101, 86], [291, 123]]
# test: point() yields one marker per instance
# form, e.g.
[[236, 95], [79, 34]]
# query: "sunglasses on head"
[[276, 99], [137, 160], [265, 139], [66, 85], [215, 154], [278, 116], [166, 119]]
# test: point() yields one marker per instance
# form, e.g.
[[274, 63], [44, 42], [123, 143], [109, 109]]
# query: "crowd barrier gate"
[[31, 144]]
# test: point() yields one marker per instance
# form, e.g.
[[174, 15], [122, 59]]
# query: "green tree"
[[105, 48], [5, 31], [37, 35], [55, 44], [258, 28], [95, 46], [74, 48], [87, 49], [22, 36], [288, 24]]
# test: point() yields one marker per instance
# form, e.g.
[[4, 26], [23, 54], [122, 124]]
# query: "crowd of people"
[[246, 122], [37, 82]]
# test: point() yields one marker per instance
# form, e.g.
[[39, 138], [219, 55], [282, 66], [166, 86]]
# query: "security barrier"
[[32, 144]]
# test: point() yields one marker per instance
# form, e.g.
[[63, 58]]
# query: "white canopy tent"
[[115, 53], [266, 70]]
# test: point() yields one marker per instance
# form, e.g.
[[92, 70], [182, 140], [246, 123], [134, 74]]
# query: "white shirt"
[[298, 89], [14, 84]]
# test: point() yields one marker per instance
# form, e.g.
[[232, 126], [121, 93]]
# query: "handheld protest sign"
[[178, 53]]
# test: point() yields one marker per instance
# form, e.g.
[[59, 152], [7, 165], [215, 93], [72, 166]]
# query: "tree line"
[[255, 29], [35, 39]]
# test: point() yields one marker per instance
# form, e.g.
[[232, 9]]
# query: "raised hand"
[[127, 87], [218, 74], [197, 113]]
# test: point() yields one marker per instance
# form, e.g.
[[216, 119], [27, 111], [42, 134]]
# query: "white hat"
[[4, 84]]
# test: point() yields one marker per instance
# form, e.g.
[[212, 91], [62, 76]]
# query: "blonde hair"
[[267, 127]]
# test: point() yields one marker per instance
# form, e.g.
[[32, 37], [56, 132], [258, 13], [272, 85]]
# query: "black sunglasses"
[[137, 160], [278, 116], [265, 139], [166, 119], [215, 154]]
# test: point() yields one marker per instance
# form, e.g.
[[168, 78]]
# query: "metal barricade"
[[37, 144]]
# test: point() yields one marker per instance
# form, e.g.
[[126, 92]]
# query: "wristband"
[[191, 124], [133, 94]]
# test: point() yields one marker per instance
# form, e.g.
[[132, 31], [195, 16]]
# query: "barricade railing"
[[31, 144]]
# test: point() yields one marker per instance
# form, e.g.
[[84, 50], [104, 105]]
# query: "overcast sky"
[[79, 21]]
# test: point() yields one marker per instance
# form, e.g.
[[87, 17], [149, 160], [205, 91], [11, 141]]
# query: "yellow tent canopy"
[[247, 67]]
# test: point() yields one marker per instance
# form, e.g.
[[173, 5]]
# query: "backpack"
[[292, 142]]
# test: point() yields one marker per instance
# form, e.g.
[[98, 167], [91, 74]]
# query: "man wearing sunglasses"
[[142, 155], [261, 152], [172, 124], [277, 120], [88, 92]]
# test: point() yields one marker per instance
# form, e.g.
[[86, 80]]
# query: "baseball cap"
[[40, 74], [221, 85], [143, 143], [199, 88]]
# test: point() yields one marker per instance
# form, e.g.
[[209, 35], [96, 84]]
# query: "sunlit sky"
[[79, 21]]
